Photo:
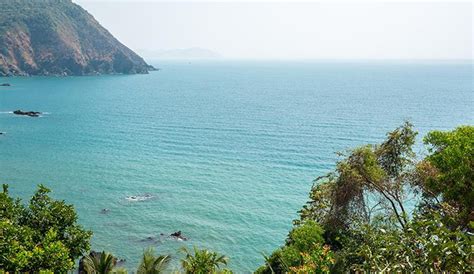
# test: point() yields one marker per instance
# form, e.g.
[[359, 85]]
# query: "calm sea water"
[[228, 150]]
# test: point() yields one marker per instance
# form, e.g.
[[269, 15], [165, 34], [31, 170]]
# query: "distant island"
[[194, 53], [58, 37]]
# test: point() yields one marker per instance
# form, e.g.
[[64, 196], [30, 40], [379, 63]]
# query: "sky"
[[290, 30]]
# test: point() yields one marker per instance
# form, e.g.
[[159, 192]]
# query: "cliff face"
[[58, 37]]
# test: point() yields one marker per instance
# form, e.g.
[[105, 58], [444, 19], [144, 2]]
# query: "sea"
[[223, 151]]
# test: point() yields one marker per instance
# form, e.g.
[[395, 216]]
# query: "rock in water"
[[58, 37], [27, 113], [178, 235]]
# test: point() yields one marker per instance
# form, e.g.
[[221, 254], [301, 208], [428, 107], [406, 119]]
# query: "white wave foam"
[[138, 198]]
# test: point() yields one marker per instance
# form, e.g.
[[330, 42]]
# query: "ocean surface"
[[224, 151]]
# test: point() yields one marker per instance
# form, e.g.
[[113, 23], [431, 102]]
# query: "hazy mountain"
[[180, 54], [59, 37]]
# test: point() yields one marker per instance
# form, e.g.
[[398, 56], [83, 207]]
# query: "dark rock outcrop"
[[178, 235], [58, 37], [27, 113]]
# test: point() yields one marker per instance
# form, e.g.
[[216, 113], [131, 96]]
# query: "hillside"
[[58, 37]]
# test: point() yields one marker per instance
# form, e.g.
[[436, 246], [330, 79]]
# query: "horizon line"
[[312, 59]]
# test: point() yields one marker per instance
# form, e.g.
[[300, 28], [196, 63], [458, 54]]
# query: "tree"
[[202, 261], [99, 263], [382, 209], [152, 264], [426, 244], [448, 172], [370, 179], [41, 236]]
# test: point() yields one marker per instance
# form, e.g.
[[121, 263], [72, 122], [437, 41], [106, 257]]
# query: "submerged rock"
[[151, 240], [27, 113]]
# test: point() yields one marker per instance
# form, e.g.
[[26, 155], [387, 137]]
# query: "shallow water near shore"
[[223, 151]]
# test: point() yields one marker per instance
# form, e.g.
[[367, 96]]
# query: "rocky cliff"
[[58, 37]]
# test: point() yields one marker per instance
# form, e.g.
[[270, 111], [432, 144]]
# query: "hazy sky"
[[282, 30]]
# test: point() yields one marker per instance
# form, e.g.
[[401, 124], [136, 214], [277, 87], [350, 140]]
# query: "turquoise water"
[[228, 150]]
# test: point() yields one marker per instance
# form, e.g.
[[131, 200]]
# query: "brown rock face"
[[58, 37]]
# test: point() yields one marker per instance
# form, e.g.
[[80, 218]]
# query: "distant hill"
[[180, 54], [58, 37]]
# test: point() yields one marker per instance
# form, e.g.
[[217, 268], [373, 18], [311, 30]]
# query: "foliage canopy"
[[383, 209], [44, 235]]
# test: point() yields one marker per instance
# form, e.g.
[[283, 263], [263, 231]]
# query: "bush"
[[303, 252]]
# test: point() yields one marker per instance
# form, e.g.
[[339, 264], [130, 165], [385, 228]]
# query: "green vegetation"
[[99, 263], [382, 209], [449, 172], [203, 261], [363, 207], [41, 236], [152, 264], [304, 252]]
